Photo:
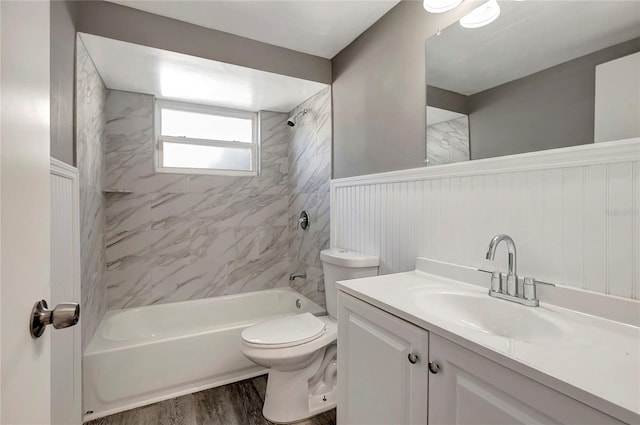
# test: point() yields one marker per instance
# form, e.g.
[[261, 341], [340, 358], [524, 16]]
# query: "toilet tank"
[[341, 264]]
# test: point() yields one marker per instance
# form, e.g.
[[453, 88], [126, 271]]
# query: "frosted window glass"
[[205, 126], [178, 155]]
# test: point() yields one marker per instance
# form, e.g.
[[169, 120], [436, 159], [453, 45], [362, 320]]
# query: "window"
[[205, 140]]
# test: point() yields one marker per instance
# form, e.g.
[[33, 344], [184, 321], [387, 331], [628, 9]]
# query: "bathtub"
[[142, 355]]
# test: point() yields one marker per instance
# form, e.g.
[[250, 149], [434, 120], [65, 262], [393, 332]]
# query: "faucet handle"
[[496, 281], [530, 287]]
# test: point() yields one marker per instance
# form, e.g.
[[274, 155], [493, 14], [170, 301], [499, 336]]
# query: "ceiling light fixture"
[[440, 6], [481, 16]]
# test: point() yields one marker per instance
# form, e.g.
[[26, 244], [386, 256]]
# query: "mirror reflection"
[[543, 75]]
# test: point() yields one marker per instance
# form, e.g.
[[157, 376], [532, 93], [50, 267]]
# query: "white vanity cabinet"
[[378, 383], [471, 389]]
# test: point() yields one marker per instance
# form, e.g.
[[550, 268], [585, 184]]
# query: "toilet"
[[300, 350]]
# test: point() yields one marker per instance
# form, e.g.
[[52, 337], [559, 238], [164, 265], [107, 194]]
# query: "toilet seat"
[[284, 332]]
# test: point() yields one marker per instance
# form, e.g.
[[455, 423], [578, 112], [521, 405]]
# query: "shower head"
[[291, 122]]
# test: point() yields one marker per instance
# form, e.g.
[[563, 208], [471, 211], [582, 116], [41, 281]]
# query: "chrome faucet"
[[302, 275], [512, 274], [522, 291]]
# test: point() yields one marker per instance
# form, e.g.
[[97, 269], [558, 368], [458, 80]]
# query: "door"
[[25, 369], [471, 389], [66, 347], [382, 367]]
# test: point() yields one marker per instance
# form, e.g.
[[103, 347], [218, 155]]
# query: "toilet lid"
[[284, 331]]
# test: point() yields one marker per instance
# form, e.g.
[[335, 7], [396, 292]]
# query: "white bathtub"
[[147, 354]]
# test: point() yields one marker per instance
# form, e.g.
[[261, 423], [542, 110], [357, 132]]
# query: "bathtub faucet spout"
[[302, 275]]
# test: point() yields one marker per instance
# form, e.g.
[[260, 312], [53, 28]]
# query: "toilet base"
[[316, 407], [293, 396]]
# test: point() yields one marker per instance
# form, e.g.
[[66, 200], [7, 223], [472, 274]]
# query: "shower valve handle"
[[303, 221]]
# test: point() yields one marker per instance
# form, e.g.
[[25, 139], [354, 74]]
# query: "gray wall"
[[555, 107], [135, 26], [379, 92], [449, 100], [62, 51]]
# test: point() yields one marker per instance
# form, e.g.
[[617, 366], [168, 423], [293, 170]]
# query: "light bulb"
[[482, 15], [440, 6]]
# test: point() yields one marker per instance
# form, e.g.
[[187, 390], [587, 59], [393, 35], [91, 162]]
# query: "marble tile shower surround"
[[448, 141], [309, 176], [90, 119], [179, 237]]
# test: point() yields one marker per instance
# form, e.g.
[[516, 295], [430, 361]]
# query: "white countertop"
[[597, 361]]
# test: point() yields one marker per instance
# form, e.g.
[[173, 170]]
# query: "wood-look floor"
[[233, 404]]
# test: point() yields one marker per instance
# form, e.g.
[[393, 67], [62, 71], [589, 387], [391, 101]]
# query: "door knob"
[[434, 367], [63, 316], [412, 358]]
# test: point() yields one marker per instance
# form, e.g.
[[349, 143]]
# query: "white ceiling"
[[175, 76], [318, 27], [527, 37]]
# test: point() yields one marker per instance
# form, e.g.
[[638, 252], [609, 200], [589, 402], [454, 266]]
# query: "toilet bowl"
[[300, 350], [298, 385]]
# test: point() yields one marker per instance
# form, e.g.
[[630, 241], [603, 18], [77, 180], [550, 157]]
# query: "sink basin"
[[491, 316]]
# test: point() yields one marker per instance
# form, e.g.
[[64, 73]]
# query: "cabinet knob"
[[412, 358], [434, 367]]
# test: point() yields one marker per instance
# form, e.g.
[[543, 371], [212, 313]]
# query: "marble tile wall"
[[90, 135], [448, 141], [178, 237], [309, 176]]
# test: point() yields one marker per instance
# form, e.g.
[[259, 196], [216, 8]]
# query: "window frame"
[[159, 139]]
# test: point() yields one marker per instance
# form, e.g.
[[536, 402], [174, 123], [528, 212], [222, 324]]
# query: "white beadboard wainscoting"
[[66, 345], [574, 214]]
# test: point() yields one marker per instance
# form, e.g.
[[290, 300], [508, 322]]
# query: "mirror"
[[543, 75]]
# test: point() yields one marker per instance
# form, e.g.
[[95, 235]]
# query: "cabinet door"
[[377, 383], [471, 389]]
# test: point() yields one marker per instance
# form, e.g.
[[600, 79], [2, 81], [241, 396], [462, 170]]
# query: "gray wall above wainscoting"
[[445, 99], [550, 109], [90, 101], [379, 92], [180, 237], [309, 175], [62, 57]]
